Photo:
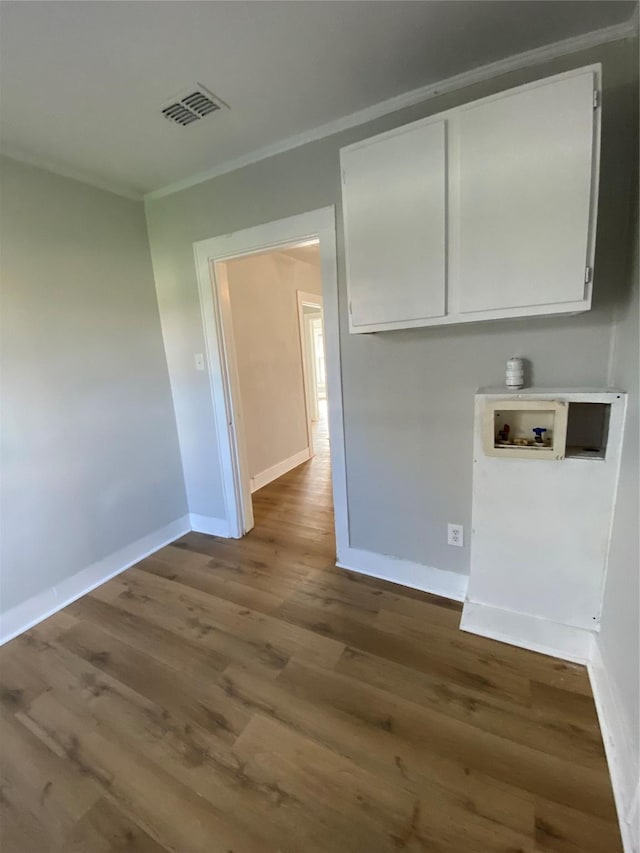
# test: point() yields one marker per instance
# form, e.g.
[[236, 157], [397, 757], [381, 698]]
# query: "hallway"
[[302, 498], [248, 696]]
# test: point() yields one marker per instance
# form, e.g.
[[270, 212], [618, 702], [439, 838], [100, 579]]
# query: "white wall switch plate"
[[455, 535], [199, 360]]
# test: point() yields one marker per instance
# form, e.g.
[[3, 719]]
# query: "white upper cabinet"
[[524, 197], [483, 212], [394, 212]]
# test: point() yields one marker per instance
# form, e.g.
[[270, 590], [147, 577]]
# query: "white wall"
[[90, 460], [408, 395], [264, 311], [618, 644]]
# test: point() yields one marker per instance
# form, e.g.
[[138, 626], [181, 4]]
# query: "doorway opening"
[[311, 331], [276, 334], [273, 352]]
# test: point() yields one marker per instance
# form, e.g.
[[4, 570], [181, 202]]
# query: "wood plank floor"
[[248, 696]]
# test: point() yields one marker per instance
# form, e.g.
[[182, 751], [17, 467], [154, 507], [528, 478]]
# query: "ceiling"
[[82, 84]]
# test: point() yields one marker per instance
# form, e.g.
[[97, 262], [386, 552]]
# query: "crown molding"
[[66, 172], [516, 62], [527, 59]]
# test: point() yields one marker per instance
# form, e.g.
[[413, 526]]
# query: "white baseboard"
[[528, 632], [621, 755], [414, 575], [278, 470], [28, 613], [209, 524]]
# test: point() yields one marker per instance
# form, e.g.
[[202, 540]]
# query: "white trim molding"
[[32, 611], [308, 369], [415, 575], [275, 471], [622, 758], [210, 525], [210, 256], [528, 632], [224, 379], [527, 59]]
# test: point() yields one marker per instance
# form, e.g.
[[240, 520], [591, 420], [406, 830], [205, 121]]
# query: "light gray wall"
[[408, 395], [90, 459], [264, 313], [619, 638]]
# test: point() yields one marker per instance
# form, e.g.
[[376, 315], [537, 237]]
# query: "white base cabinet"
[[484, 212], [541, 526]]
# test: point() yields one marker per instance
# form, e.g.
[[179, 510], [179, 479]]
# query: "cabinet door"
[[394, 209], [524, 197]]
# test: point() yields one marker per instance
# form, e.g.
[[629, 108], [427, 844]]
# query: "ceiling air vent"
[[192, 105]]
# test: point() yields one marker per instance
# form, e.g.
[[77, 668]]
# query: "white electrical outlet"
[[455, 535], [199, 360]]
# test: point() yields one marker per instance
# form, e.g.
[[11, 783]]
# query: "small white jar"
[[515, 373]]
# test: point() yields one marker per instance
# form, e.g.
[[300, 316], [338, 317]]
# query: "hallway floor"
[[248, 696]]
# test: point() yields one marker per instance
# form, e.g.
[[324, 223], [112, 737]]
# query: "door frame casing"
[[215, 308], [308, 370]]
